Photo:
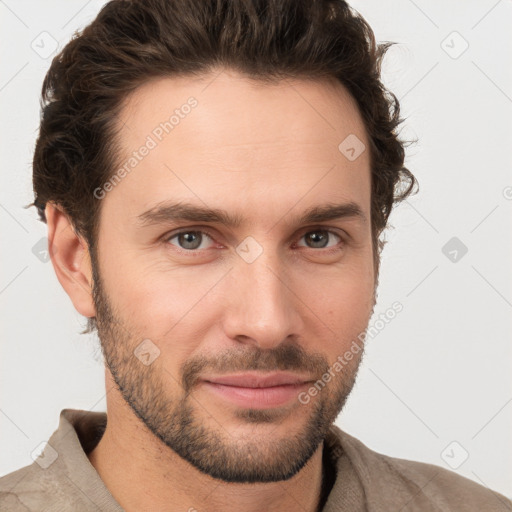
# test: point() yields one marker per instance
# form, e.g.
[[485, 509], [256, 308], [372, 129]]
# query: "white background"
[[440, 371]]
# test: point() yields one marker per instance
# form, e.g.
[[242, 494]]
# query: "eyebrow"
[[183, 211]]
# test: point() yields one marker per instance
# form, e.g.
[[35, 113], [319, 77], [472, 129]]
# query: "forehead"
[[248, 111], [224, 139]]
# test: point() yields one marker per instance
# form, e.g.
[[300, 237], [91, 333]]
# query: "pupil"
[[316, 237], [188, 239]]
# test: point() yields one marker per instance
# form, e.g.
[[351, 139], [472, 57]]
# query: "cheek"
[[342, 307], [162, 303]]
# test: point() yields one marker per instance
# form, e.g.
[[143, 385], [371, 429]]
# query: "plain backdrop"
[[435, 384]]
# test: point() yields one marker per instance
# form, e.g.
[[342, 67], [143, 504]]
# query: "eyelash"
[[198, 252]]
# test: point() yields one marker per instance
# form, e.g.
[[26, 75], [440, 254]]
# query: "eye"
[[318, 239], [193, 241], [189, 240]]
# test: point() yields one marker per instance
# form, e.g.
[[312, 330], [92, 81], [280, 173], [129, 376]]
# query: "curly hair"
[[133, 41]]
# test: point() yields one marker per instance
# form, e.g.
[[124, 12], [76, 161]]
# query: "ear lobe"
[[71, 260]]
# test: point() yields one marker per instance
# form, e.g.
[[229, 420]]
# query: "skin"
[[266, 152]]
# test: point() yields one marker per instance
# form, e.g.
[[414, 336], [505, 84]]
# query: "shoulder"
[[61, 477], [446, 489], [33, 488], [22, 489], [417, 485]]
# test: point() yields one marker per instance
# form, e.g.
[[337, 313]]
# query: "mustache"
[[285, 357]]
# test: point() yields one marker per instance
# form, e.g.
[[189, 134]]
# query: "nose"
[[263, 308]]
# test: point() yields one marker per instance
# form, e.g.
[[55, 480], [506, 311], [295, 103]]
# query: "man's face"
[[272, 293]]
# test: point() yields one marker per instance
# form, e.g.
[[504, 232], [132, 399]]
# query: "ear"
[[71, 260]]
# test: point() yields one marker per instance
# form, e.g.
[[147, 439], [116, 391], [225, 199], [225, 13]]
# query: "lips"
[[256, 390], [259, 380]]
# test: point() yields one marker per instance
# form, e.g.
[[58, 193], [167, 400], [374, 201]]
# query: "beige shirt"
[[359, 479]]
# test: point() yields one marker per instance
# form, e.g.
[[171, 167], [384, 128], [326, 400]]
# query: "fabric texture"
[[358, 478]]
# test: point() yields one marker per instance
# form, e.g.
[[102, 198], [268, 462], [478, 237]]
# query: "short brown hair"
[[132, 41]]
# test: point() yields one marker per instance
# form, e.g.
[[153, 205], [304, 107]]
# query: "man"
[[215, 177]]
